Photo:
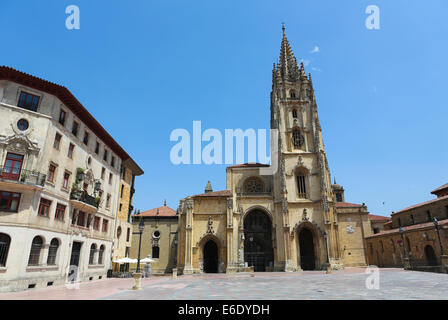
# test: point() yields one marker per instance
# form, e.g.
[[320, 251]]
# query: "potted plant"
[[80, 173], [97, 201], [75, 193], [23, 177]]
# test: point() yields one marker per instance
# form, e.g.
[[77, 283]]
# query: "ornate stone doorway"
[[430, 255], [307, 256], [258, 251], [210, 257]]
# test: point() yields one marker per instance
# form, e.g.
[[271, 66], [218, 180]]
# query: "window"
[[97, 147], [118, 232], [292, 94], [338, 197], [75, 128], [121, 192], [52, 252], [86, 138], [28, 101], [412, 219], [96, 223], [301, 185], [13, 166], [5, 241], [446, 212], [62, 116], [92, 254], [105, 225], [399, 222], [60, 212], [36, 248], [108, 201], [128, 233], [89, 220], [253, 185], [112, 161], [103, 173], [51, 173], [123, 171], [297, 139], [57, 141], [428, 215], [294, 114], [22, 124], [105, 155], [70, 150], [9, 201], [65, 183], [155, 252], [81, 219], [121, 206], [101, 254], [44, 207], [110, 178]]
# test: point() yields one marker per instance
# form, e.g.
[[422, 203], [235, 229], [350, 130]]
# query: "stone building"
[[281, 220], [123, 223], [59, 183], [379, 223], [159, 238], [419, 245]]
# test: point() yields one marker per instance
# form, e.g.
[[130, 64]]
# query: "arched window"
[[155, 252], [292, 94], [382, 246], [52, 252], [392, 244], [118, 232], [5, 241], [36, 248], [92, 254], [294, 113], [253, 185], [301, 184], [408, 245], [297, 139], [101, 254]]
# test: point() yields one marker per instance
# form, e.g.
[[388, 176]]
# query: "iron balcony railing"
[[22, 176], [84, 197]]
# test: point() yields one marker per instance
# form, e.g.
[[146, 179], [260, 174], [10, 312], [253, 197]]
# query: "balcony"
[[21, 176], [84, 202]]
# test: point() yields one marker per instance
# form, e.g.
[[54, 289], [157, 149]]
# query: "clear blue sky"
[[144, 68]]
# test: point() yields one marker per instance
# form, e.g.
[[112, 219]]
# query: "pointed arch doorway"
[[307, 251], [430, 255], [210, 254]]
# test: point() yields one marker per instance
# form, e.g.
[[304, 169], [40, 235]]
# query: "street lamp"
[[137, 274], [326, 249], [402, 243], [436, 225]]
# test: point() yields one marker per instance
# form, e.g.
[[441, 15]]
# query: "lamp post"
[[137, 274], [436, 225], [404, 247], [326, 250]]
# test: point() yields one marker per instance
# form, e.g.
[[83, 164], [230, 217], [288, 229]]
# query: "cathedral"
[[290, 220]]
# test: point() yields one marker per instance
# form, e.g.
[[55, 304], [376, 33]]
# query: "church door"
[[431, 259], [258, 251], [306, 243], [210, 257]]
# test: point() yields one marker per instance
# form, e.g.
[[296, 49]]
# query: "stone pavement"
[[349, 283]]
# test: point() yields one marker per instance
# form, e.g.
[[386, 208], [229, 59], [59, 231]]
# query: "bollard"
[[174, 274], [252, 271], [137, 281]]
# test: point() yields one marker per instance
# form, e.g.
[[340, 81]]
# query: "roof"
[[222, 193], [347, 205], [421, 204], [409, 228], [376, 218], [164, 211], [68, 99], [249, 165], [445, 186]]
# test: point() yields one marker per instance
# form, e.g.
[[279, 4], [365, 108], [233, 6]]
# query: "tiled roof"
[[164, 211], [445, 186], [68, 99], [347, 205], [421, 204], [249, 165], [409, 228], [377, 218], [222, 193]]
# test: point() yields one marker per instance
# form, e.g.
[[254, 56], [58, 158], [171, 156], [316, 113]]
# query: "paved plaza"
[[344, 284]]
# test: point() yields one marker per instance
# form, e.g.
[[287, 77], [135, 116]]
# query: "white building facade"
[[59, 185]]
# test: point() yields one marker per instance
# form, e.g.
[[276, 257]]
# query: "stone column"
[[188, 269]]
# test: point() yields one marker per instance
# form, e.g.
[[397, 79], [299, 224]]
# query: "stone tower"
[[302, 185]]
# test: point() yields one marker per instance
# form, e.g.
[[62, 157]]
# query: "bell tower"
[[302, 185]]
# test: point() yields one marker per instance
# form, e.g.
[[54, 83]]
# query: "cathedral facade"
[[293, 219]]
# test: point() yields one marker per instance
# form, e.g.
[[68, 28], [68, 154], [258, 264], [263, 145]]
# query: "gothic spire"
[[288, 64]]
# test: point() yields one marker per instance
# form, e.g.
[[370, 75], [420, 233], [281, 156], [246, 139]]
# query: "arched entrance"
[[306, 244], [430, 255], [210, 257], [258, 251]]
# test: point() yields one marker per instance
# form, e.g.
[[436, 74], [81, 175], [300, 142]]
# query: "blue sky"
[[144, 68]]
